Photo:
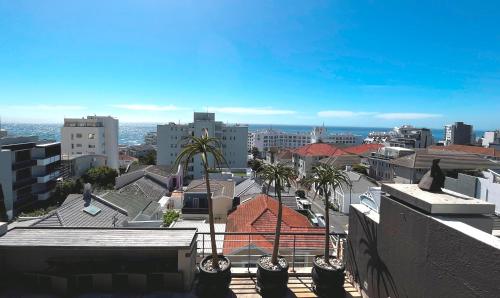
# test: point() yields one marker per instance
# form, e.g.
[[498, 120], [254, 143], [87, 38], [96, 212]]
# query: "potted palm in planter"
[[328, 272], [215, 269], [272, 270]]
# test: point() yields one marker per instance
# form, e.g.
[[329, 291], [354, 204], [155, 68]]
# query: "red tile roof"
[[319, 149], [469, 149], [260, 215], [363, 149]]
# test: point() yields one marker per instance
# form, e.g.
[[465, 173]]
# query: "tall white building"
[[90, 136], [407, 136], [233, 140], [269, 138], [458, 133]]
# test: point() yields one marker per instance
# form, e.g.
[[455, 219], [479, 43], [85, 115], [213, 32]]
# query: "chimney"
[[87, 193]]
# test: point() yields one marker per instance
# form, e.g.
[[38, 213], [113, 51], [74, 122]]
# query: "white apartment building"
[[491, 137], [233, 139], [90, 136], [407, 136], [320, 135], [269, 138]]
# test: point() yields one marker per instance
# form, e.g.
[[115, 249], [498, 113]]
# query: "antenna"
[[114, 220]]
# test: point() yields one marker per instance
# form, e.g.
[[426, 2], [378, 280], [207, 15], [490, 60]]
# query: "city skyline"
[[342, 64]]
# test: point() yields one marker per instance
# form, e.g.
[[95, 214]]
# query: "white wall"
[[489, 191]]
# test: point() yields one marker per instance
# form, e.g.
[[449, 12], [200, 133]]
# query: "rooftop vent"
[[92, 210]]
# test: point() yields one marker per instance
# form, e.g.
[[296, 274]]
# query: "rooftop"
[[422, 159], [469, 149], [97, 238], [319, 149], [72, 214], [446, 202], [363, 149], [218, 188], [259, 215]]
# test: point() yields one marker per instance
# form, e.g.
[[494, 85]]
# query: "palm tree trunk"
[[327, 228], [274, 258], [215, 257]]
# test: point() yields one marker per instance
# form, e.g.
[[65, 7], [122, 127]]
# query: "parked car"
[[321, 219]]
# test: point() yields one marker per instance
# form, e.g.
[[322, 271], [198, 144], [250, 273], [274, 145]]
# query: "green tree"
[[255, 164], [148, 159], [359, 168], [64, 188], [100, 176], [169, 217], [206, 147], [279, 175], [255, 152], [327, 179]]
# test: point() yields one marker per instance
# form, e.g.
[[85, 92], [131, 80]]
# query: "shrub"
[[169, 217], [300, 193], [101, 177]]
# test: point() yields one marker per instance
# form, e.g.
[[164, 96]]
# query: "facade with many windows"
[[29, 169], [232, 138], [94, 135]]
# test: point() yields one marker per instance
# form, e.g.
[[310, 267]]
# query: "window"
[[78, 135], [91, 146], [91, 136], [72, 146]]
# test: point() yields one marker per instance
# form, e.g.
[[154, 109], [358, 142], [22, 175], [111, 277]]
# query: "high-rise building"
[[29, 169], [491, 138], [94, 135], [458, 134], [233, 140], [407, 136]]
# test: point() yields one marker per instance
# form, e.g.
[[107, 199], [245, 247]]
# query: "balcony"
[[23, 164], [23, 183], [194, 210], [48, 160], [49, 177]]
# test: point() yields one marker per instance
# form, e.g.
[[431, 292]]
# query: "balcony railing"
[[244, 249], [48, 160], [48, 177], [24, 182], [194, 210]]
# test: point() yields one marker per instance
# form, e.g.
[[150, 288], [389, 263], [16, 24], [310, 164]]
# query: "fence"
[[244, 249]]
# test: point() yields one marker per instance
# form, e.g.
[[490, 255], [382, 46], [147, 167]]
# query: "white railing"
[[49, 160]]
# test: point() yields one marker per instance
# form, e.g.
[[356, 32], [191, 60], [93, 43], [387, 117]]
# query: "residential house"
[[380, 167], [411, 168], [305, 158], [195, 202], [258, 215]]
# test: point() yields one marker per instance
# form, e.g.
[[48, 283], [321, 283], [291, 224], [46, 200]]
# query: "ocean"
[[133, 133]]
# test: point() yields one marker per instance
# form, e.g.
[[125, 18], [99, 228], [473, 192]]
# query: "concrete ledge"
[[446, 202]]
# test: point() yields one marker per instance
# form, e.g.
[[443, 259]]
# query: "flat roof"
[[97, 238], [445, 202]]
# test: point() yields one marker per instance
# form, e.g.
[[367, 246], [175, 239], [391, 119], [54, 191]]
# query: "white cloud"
[[407, 116], [45, 107], [153, 108], [250, 111], [342, 114]]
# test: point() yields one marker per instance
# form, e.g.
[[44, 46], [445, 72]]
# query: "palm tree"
[[205, 146], [277, 174], [327, 178]]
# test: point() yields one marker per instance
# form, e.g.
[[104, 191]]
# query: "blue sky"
[[345, 63]]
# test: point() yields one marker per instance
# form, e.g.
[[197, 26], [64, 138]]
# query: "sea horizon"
[[133, 133]]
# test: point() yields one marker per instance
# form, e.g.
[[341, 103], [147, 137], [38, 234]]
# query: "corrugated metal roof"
[[97, 238], [422, 159]]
